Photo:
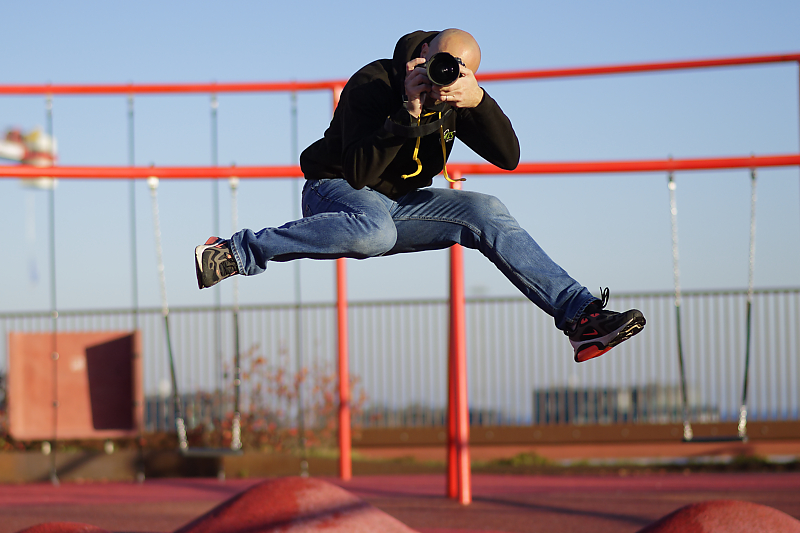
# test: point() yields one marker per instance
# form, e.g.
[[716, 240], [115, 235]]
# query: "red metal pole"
[[280, 172], [452, 448], [458, 364], [345, 455], [345, 460], [232, 87]]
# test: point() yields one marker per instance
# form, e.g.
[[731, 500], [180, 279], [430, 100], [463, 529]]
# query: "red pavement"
[[515, 504]]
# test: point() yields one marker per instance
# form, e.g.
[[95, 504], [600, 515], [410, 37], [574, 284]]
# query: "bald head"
[[457, 43]]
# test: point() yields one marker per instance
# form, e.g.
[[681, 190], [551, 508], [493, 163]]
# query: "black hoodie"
[[368, 150]]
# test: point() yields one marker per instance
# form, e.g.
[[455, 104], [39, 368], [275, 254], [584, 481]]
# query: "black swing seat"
[[717, 438], [210, 452]]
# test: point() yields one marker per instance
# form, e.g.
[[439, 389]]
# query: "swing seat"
[[210, 452], [717, 438]]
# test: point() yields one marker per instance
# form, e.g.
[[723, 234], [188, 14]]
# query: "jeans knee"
[[374, 238], [493, 207]]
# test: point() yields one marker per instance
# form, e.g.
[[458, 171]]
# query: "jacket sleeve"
[[367, 147], [488, 132]]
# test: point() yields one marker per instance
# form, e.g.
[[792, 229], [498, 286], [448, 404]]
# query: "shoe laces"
[[603, 297]]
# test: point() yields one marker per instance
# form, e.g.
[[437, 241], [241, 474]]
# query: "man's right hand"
[[417, 86]]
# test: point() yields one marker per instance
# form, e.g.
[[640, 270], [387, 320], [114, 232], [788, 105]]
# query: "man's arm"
[[481, 125], [488, 132]]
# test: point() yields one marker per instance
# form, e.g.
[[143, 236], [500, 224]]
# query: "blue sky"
[[609, 230]]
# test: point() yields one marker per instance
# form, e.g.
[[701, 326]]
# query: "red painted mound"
[[295, 505], [63, 527], [728, 516]]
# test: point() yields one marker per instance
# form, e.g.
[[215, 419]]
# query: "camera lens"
[[442, 69]]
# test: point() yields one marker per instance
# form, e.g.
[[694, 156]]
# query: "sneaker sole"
[[591, 350]]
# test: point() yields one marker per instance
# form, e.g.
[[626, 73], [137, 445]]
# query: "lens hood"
[[442, 69]]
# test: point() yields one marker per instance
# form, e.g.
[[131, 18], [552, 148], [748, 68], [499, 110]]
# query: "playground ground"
[[620, 502]]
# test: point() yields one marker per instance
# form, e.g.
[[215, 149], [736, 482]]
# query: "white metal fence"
[[520, 369]]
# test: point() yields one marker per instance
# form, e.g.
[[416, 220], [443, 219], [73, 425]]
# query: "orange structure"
[[98, 380]]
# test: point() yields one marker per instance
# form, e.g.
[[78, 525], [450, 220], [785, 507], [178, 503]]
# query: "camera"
[[442, 69]]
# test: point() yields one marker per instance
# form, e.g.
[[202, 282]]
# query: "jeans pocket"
[[311, 195]]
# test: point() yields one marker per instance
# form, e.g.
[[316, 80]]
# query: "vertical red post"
[[345, 461], [458, 410], [452, 449], [345, 457]]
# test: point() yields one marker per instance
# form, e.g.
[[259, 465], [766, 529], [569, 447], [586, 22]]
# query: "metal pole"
[[452, 449], [215, 230], [298, 310], [132, 197], [53, 302], [345, 441], [134, 275], [458, 356], [236, 423], [345, 461]]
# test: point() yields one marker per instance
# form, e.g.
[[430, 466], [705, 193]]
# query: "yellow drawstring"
[[444, 157], [416, 151], [444, 153]]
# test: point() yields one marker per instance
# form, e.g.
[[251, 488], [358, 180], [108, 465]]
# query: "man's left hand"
[[464, 92]]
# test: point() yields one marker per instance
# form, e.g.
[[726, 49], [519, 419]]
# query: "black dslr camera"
[[442, 69]]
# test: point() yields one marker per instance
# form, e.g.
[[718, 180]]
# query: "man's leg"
[[338, 221], [437, 218]]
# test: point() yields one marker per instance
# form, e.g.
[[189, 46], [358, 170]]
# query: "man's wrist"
[[479, 97], [411, 108]]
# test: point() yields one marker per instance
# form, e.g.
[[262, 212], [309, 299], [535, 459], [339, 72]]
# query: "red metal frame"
[[345, 461], [583, 167], [458, 463], [458, 478], [332, 85], [345, 442]]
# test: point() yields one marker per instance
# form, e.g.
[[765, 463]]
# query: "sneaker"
[[214, 262], [597, 331]]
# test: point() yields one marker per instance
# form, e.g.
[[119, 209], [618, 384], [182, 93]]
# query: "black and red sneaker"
[[213, 262], [598, 330]]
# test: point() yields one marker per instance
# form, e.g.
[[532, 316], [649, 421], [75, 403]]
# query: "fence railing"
[[520, 367]]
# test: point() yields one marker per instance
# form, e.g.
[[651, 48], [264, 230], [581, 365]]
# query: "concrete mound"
[[63, 527], [295, 505], [728, 516]]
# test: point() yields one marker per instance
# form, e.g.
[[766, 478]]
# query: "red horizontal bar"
[[64, 172], [639, 67], [655, 165], [172, 88], [586, 167], [175, 88]]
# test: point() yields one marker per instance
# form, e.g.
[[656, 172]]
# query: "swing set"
[[688, 433], [235, 447], [458, 477]]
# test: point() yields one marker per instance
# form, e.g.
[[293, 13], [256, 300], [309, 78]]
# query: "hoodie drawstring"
[[444, 153]]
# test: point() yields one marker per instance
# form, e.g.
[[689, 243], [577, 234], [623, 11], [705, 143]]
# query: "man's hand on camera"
[[417, 86], [464, 92]]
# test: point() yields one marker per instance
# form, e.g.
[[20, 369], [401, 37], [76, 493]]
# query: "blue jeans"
[[339, 221]]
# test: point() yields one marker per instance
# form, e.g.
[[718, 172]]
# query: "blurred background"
[[606, 230]]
